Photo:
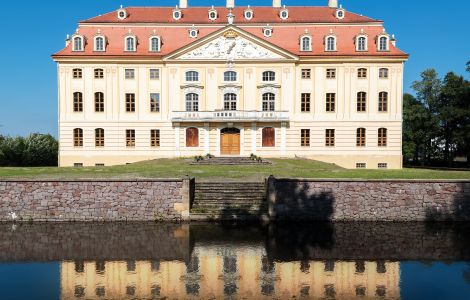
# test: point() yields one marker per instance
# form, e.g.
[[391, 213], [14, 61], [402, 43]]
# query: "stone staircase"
[[229, 201], [229, 161]]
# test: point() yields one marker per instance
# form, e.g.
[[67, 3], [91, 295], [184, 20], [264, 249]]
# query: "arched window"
[[77, 102], [383, 101], [192, 76], [78, 43], [383, 73], [99, 137], [269, 76], [230, 101], [361, 101], [192, 102], [330, 43], [361, 43], [361, 137], [192, 137], [99, 102], [306, 43], [382, 137], [130, 44], [154, 44], [78, 137], [269, 100], [268, 137], [99, 44], [383, 43], [361, 73], [230, 76]]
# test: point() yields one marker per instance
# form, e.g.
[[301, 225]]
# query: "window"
[[77, 102], [79, 266], [122, 14], [329, 266], [360, 291], [360, 266], [330, 73], [381, 291], [154, 74], [361, 43], [382, 165], [100, 267], [78, 43], [230, 101], [269, 100], [78, 165], [383, 101], [305, 102], [99, 102], [77, 73], [100, 291], [382, 137], [79, 291], [129, 73], [78, 137], [99, 74], [176, 14], [130, 102], [154, 44], [329, 137], [130, 265], [248, 14], [306, 73], [154, 138], [381, 268], [284, 14], [99, 137], [361, 73], [130, 290], [383, 73], [230, 76], [330, 102], [269, 76], [212, 15], [330, 292], [192, 102], [361, 165], [361, 101], [267, 31], [306, 44], [383, 43], [192, 76], [361, 137], [154, 102], [193, 33], [268, 137], [340, 14], [130, 44], [330, 43], [99, 44], [192, 137], [130, 141], [305, 137]]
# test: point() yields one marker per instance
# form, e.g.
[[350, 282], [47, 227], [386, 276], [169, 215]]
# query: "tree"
[[11, 150], [40, 150], [468, 66]]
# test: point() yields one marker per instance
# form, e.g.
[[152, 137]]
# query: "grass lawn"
[[176, 168]]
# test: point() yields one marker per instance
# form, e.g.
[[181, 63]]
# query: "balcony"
[[230, 116]]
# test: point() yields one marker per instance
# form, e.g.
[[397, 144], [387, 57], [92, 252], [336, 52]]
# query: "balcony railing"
[[230, 116]]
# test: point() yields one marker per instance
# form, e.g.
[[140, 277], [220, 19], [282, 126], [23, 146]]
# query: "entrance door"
[[230, 141]]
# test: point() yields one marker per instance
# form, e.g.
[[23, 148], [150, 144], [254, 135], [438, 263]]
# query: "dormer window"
[[154, 44], [284, 13], [340, 13], [212, 14], [193, 32], [330, 43], [267, 31], [361, 43], [121, 14], [100, 43], [177, 13], [383, 43], [248, 13], [306, 43], [78, 43], [130, 43]]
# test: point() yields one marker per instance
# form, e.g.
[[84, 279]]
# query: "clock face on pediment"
[[231, 46]]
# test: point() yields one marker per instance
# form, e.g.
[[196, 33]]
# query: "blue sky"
[[433, 32]]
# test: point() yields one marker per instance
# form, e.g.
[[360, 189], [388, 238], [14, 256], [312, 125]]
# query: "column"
[[283, 138], [177, 139], [206, 138], [253, 138]]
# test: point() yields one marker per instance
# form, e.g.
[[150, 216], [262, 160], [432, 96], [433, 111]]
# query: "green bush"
[[34, 150]]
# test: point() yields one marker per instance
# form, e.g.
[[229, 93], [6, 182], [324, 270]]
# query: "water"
[[206, 261]]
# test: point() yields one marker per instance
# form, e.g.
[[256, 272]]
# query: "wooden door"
[[230, 143]]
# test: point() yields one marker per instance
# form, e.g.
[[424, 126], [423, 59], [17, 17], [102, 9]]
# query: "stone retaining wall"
[[137, 200], [342, 200]]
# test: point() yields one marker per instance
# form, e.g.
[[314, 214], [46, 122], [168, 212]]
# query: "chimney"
[[333, 3], [277, 3], [183, 4], [67, 40], [230, 4], [393, 40]]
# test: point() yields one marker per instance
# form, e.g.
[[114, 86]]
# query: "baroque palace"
[[141, 83]]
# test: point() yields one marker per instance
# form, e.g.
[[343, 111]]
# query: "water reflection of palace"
[[215, 272]]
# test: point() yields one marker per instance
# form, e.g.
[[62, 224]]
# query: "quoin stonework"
[[142, 83]]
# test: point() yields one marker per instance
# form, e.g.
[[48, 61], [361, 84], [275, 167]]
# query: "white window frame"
[[96, 43], [232, 72], [387, 72], [266, 71], [365, 43], [387, 45], [268, 31], [302, 43], [338, 12], [246, 12], [335, 47], [210, 12], [159, 45], [82, 43], [177, 14], [119, 14], [186, 76], [284, 12], [193, 32], [134, 43]]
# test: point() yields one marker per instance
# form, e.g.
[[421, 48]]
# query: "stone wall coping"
[[374, 180], [95, 180]]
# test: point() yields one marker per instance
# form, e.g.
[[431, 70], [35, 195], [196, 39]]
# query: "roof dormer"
[[177, 14], [212, 13], [267, 31], [340, 13], [193, 31], [121, 13], [284, 13], [248, 13]]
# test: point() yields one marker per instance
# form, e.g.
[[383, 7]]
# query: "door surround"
[[230, 141]]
